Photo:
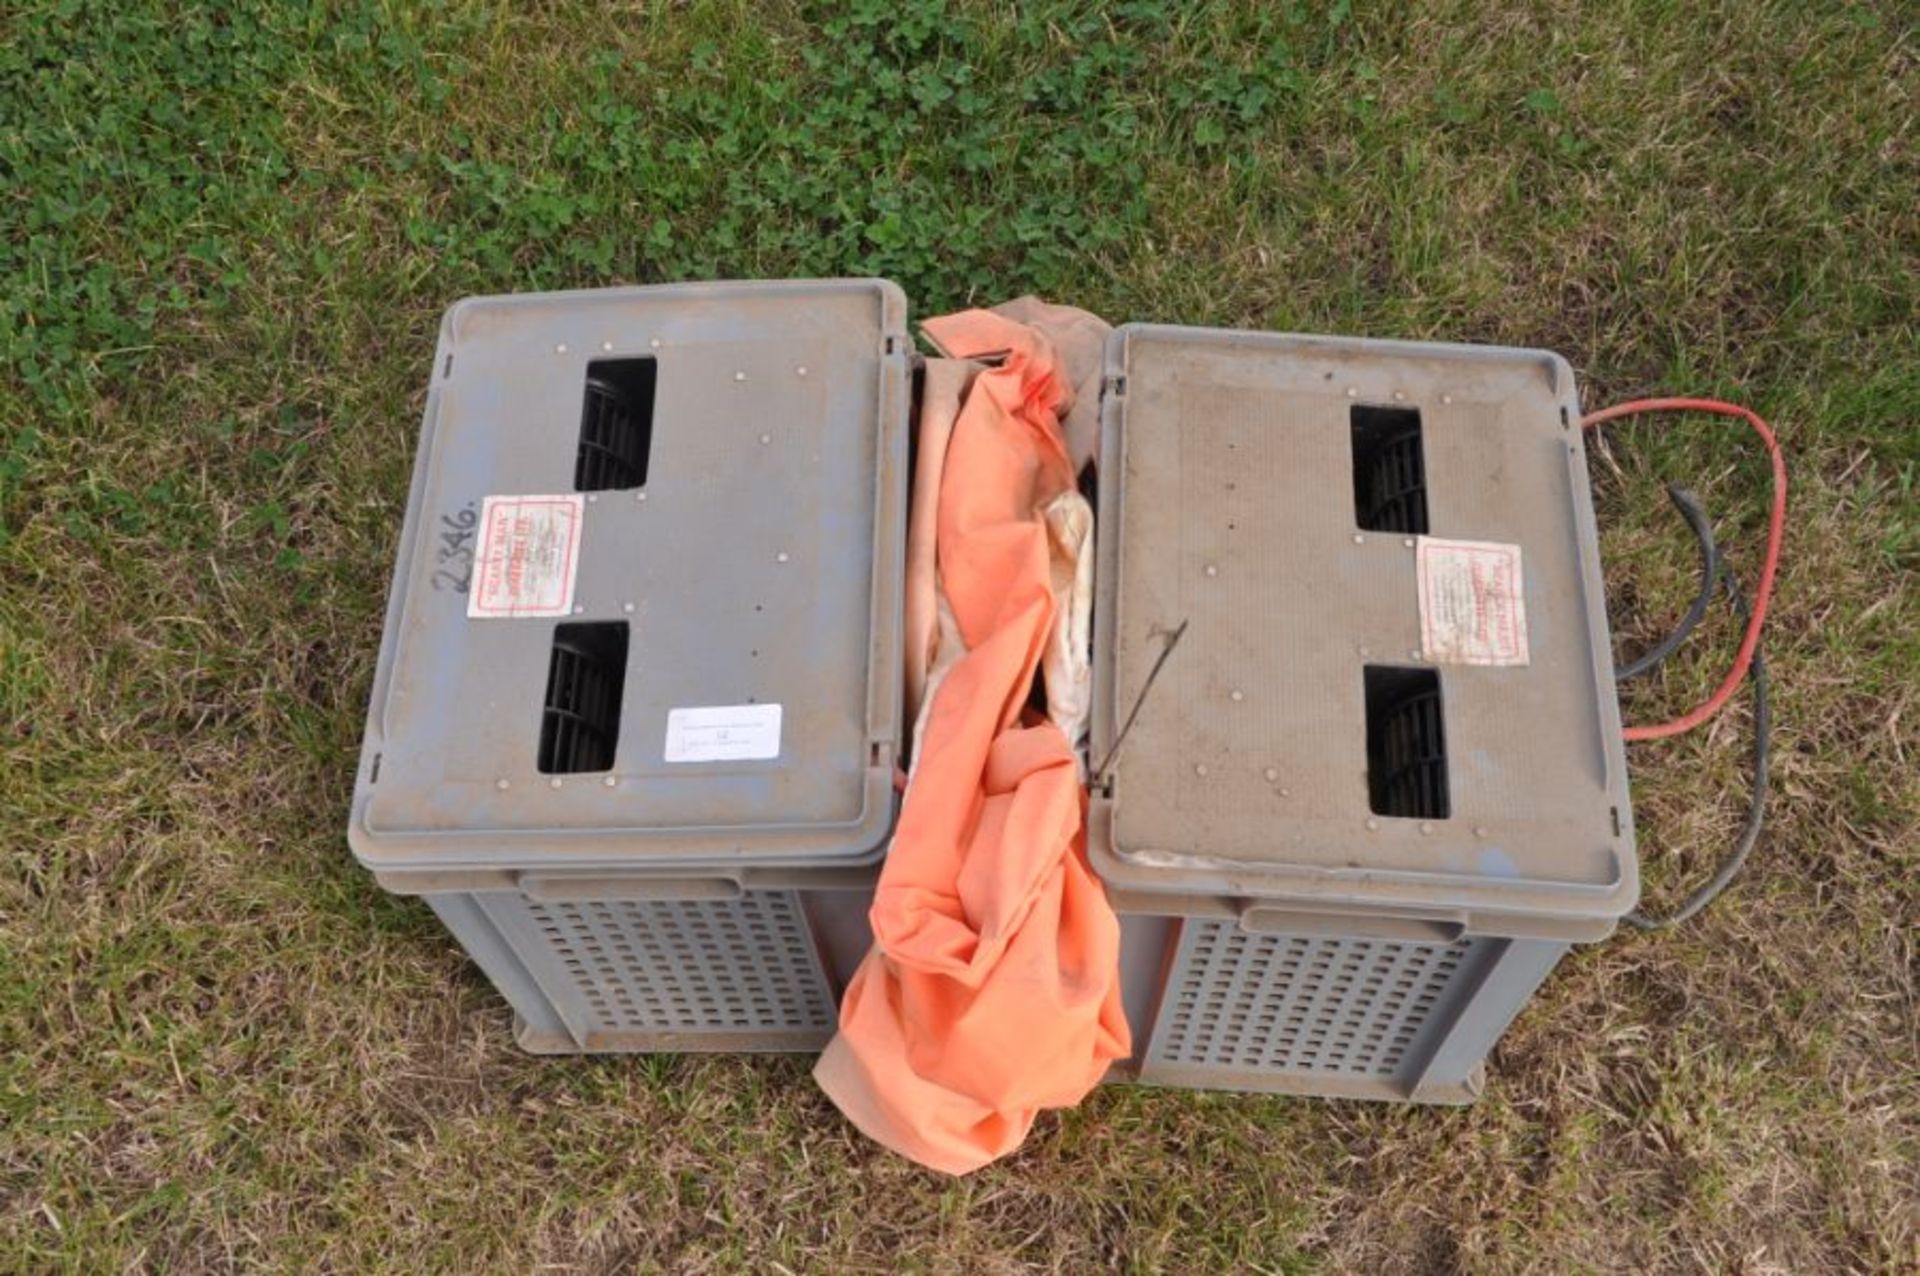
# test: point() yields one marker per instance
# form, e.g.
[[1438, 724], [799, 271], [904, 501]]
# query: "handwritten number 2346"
[[454, 553]]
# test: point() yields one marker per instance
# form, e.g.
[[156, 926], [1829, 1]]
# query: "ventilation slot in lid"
[[1389, 471], [1406, 744], [587, 674], [616, 425]]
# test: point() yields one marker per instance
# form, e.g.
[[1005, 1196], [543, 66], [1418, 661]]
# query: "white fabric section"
[[1067, 664], [944, 387]]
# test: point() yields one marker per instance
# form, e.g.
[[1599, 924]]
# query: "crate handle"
[[1278, 921], [564, 890]]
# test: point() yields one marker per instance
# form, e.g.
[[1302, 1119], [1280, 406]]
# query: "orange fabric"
[[1079, 341], [993, 987]]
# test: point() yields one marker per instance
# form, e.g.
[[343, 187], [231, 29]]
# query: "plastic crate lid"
[[646, 609], [1394, 690]]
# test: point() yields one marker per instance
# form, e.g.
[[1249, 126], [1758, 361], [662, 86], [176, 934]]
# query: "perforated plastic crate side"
[[1339, 1016], [605, 975]]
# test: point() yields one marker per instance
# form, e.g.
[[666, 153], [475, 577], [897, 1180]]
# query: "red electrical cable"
[[1776, 531]]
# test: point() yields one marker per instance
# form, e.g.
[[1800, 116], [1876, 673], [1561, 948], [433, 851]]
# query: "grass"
[[225, 243]]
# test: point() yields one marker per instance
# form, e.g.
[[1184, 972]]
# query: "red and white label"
[[1473, 604], [526, 557]]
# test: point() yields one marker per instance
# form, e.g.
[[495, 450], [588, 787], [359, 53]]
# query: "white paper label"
[[723, 733], [526, 556], [1473, 604]]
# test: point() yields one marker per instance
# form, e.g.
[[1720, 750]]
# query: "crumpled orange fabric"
[[993, 987]]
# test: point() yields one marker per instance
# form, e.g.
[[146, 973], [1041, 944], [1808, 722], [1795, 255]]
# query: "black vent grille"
[[1397, 488], [1389, 470], [1406, 744], [580, 724], [616, 426]]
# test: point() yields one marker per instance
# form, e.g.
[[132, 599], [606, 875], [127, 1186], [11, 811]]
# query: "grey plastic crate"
[[1344, 858], [633, 734]]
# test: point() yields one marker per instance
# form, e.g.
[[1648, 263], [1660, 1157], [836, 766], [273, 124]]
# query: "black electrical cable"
[[1714, 567], [1689, 506]]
